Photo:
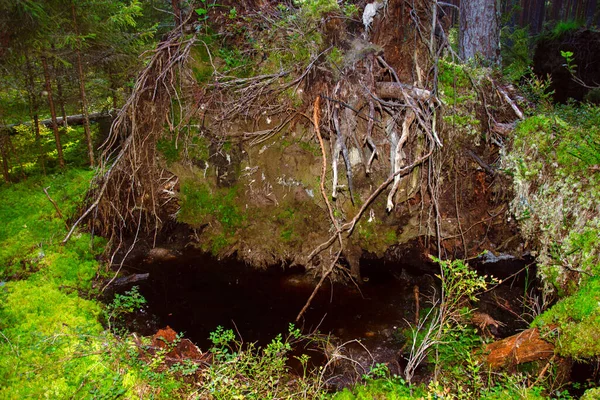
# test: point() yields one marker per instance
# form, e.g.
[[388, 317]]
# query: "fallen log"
[[71, 120], [521, 348]]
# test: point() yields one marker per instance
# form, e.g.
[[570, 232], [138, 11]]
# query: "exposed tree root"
[[128, 192]]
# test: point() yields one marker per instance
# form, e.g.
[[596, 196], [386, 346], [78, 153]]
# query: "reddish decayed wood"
[[523, 347]]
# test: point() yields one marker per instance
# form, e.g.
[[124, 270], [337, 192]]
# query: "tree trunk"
[[59, 90], [71, 120], [61, 160], [589, 12], [61, 100], [557, 6], [479, 30], [86, 123], [33, 110], [538, 16]]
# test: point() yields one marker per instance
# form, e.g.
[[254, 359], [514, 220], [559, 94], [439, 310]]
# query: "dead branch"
[[507, 98], [316, 119], [348, 227], [60, 215], [318, 286]]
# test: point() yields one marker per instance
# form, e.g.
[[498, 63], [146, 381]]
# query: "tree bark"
[[86, 123], [33, 104], [479, 30], [59, 90], [71, 120], [521, 348], [557, 6], [61, 160], [590, 12]]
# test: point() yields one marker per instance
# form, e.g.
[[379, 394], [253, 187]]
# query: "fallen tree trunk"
[[521, 348], [78, 119]]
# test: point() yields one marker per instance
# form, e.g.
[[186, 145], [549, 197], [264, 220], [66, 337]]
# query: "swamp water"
[[194, 293]]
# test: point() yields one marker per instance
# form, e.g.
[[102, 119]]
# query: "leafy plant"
[[124, 304], [444, 323], [251, 372]]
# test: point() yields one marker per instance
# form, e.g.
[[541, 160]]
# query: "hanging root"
[[398, 157], [340, 147], [129, 195]]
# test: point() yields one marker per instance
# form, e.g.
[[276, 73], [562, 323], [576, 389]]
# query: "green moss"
[[394, 389], [52, 344], [578, 317], [314, 9], [200, 205], [169, 150], [591, 394], [558, 191], [203, 205], [375, 237], [563, 27], [30, 224], [453, 80], [335, 58]]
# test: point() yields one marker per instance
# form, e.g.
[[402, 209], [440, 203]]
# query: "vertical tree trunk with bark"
[[33, 110], [59, 90], [590, 12], [479, 30], [61, 99], [61, 159], [86, 123], [557, 6]]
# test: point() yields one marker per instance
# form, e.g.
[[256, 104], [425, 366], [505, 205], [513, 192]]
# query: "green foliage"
[[235, 61], [200, 205], [537, 90], [251, 372], [517, 57], [350, 10], [578, 317], [553, 164], [563, 27], [30, 226], [392, 388], [124, 304], [458, 88], [169, 150], [314, 9]]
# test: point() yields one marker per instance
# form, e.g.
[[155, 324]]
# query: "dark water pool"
[[195, 293]]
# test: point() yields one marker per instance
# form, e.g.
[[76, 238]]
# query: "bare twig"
[[60, 215]]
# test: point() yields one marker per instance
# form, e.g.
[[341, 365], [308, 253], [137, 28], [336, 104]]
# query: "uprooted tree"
[[354, 90]]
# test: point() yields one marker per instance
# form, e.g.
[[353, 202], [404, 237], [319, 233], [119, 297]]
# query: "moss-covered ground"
[[555, 164]]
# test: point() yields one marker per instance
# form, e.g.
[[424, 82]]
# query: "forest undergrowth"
[[59, 340]]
